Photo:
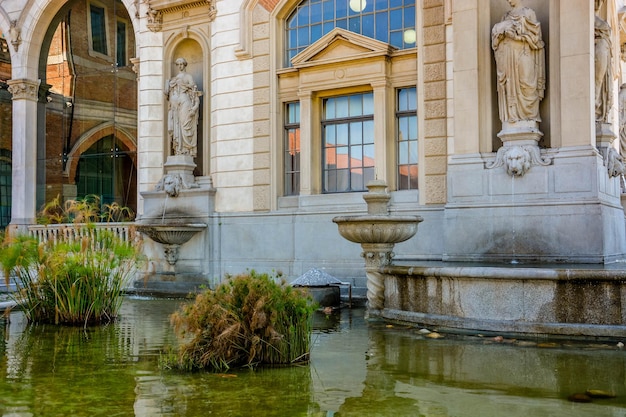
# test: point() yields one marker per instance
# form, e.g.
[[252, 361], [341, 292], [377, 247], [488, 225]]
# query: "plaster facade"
[[566, 211]]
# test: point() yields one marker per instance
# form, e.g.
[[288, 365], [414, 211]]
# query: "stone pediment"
[[340, 44]]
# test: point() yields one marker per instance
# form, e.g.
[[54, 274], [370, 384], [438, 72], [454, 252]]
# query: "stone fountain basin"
[[377, 228], [171, 234]]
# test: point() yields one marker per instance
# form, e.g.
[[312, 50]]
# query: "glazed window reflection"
[[292, 149], [406, 119], [348, 143], [390, 21]]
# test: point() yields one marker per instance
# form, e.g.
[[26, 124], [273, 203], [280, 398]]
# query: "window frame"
[[291, 178], [359, 22], [347, 121], [90, 32], [126, 23], [406, 114], [317, 75]]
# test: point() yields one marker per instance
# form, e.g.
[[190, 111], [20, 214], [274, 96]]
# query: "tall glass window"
[[348, 142], [98, 29], [104, 170], [292, 149], [390, 21], [406, 119], [121, 44]]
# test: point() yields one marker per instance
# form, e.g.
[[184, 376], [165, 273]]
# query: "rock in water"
[[579, 397]]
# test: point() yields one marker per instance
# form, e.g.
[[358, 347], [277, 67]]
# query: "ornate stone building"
[[301, 103]]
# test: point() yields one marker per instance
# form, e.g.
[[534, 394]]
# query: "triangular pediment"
[[341, 44]]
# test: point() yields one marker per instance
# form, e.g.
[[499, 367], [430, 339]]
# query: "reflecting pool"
[[356, 369]]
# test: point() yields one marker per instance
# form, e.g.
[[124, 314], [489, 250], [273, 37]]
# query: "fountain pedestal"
[[183, 166], [377, 232], [177, 220]]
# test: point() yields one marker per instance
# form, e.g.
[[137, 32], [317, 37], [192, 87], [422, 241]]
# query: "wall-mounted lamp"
[[357, 5]]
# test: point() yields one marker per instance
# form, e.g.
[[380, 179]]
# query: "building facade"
[[303, 102]]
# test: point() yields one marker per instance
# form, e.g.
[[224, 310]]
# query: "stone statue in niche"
[[520, 64], [603, 61], [184, 104], [519, 53]]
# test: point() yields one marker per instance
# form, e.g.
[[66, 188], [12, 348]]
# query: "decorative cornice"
[[24, 89], [158, 8]]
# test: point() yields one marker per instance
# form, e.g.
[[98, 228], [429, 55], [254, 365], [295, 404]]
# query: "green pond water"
[[356, 369]]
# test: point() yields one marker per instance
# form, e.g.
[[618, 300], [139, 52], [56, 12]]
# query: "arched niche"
[[542, 8], [191, 50]]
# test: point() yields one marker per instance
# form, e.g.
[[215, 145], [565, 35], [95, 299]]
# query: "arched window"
[[390, 21]]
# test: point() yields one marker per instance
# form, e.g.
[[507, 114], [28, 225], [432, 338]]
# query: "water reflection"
[[356, 369]]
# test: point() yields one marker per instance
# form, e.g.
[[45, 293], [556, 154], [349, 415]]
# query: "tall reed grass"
[[249, 319], [70, 282]]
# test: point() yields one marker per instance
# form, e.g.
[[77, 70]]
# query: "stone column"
[[151, 111], [576, 76], [24, 154], [382, 130], [376, 255], [306, 184]]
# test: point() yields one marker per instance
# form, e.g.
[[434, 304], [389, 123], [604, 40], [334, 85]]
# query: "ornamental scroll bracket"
[[16, 35]]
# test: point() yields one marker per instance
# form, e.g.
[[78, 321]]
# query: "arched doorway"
[[90, 86]]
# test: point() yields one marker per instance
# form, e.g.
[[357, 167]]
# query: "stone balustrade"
[[71, 232]]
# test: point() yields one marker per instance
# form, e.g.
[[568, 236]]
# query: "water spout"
[[164, 208]]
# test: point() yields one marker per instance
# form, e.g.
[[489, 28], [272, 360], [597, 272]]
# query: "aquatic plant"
[[77, 279], [83, 210], [70, 282], [249, 319]]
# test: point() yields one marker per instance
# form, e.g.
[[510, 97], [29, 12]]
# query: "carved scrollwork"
[[375, 290], [518, 159], [16, 35], [377, 259], [614, 162], [24, 89], [155, 20], [135, 61], [171, 254]]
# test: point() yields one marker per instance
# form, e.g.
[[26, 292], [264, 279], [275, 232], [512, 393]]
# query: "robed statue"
[[520, 64], [603, 61], [184, 104]]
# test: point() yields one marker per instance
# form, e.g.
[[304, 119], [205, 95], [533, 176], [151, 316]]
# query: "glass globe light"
[[409, 36], [357, 5]]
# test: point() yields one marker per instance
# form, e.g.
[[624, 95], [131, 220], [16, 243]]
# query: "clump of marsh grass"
[[78, 280], [75, 282], [248, 320]]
